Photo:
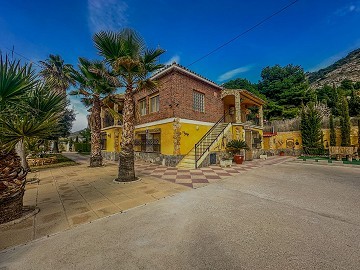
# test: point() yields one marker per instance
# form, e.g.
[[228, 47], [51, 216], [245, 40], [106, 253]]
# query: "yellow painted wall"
[[166, 140], [190, 135], [279, 141]]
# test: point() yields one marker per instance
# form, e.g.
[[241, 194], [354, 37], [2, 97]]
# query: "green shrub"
[[82, 147]]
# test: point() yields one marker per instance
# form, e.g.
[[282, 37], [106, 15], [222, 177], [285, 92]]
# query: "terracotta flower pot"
[[239, 159], [282, 153]]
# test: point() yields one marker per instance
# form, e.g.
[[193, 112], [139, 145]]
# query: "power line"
[[245, 32], [22, 56]]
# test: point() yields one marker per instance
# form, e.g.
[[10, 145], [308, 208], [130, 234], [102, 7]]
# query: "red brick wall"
[[176, 99], [165, 89], [185, 85]]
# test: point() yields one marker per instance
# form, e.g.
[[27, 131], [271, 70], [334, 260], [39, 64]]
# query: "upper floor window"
[[199, 101], [142, 106], [154, 104]]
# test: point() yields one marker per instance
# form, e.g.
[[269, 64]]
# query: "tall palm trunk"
[[96, 158], [12, 186], [126, 157]]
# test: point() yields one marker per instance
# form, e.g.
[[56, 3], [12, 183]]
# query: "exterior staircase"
[[202, 149]]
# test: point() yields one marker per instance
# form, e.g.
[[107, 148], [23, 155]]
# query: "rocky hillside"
[[346, 68]]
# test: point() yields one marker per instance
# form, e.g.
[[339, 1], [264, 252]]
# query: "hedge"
[[82, 147]]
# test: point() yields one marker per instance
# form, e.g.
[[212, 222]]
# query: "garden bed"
[[50, 161], [344, 160]]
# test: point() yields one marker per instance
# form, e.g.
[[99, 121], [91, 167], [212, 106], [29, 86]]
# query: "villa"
[[187, 121]]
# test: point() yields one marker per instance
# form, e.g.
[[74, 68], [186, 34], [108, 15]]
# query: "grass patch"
[[344, 160], [62, 161]]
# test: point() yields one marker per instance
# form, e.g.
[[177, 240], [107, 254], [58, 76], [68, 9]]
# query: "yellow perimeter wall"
[[279, 141]]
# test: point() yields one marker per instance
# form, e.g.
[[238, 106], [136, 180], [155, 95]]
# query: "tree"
[[310, 126], [332, 131], [354, 103], [132, 63], [241, 83], [93, 87], [86, 135], [287, 85], [20, 118], [56, 72], [345, 123]]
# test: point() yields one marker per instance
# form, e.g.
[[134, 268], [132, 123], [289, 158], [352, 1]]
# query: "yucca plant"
[[26, 111], [235, 146]]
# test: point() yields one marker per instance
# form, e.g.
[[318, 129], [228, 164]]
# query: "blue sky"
[[311, 33]]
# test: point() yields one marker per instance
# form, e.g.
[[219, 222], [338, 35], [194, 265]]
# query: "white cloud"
[[107, 15], [81, 114], [349, 8], [175, 58], [232, 73]]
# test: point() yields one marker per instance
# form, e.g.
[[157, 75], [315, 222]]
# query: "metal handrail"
[[205, 136]]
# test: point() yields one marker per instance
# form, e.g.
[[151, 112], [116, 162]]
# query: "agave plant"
[[27, 110]]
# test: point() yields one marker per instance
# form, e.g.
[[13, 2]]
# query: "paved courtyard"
[[70, 196], [284, 216]]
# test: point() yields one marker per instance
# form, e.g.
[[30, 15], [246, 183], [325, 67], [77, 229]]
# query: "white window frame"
[[142, 106], [157, 105]]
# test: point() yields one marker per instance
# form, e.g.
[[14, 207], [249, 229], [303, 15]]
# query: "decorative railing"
[[204, 144]]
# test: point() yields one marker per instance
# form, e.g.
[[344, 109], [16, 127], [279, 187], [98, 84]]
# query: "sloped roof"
[[175, 66]]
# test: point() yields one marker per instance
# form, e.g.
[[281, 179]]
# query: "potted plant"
[[226, 159], [236, 147]]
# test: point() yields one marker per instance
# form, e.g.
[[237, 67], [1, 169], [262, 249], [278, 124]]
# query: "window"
[[154, 104], [199, 101], [142, 106], [103, 140], [149, 143]]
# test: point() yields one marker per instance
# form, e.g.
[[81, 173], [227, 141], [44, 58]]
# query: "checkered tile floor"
[[202, 176]]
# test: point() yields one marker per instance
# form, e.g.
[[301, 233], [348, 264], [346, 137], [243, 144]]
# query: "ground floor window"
[[103, 140], [148, 142]]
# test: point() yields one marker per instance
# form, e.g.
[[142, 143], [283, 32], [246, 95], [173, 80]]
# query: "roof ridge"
[[174, 64]]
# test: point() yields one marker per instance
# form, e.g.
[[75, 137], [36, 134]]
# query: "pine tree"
[[345, 123], [332, 131], [310, 126]]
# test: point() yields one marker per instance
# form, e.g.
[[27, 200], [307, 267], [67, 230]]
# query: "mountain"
[[345, 68]]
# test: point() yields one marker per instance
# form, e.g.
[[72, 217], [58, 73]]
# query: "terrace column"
[[237, 107], [102, 116], [261, 116], [116, 119]]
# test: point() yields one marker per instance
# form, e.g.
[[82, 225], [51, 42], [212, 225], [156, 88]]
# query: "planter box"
[[226, 163]]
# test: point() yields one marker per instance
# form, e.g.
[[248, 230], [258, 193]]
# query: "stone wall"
[[156, 158]]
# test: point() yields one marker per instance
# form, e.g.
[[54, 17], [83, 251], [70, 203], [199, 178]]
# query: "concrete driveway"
[[286, 216]]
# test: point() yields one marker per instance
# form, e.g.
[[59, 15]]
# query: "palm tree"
[[93, 87], [59, 74], [17, 84], [132, 63], [56, 72]]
